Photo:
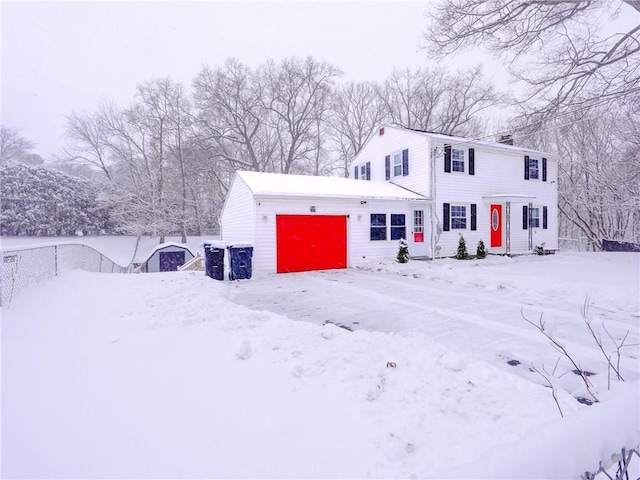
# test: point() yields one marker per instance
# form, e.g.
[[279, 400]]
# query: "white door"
[[418, 239]]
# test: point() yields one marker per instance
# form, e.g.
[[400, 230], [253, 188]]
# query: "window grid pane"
[[535, 218], [397, 165], [457, 157], [458, 216], [398, 232], [533, 168], [397, 219], [378, 230]]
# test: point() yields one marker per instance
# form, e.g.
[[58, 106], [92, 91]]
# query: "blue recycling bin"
[[213, 261], [240, 261]]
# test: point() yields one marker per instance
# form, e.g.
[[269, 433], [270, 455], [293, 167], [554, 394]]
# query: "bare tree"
[[14, 148], [599, 170], [566, 59], [357, 111], [89, 144], [231, 118], [296, 95], [438, 100]]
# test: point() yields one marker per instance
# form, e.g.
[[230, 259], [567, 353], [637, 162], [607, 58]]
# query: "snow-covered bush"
[[481, 252], [403, 251], [462, 253]]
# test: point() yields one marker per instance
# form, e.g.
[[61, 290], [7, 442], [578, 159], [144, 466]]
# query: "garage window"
[[398, 227], [378, 226]]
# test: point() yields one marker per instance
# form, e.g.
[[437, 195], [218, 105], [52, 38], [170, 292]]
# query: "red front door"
[[496, 225], [310, 242]]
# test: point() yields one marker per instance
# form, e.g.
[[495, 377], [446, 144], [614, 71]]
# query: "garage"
[[311, 242]]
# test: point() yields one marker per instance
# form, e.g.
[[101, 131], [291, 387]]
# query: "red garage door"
[[311, 242]]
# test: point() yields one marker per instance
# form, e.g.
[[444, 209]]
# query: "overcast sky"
[[63, 57]]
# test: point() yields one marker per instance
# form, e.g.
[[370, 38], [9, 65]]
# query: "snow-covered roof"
[[168, 244], [470, 141], [277, 184]]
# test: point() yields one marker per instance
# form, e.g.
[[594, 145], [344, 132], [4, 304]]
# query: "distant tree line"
[[164, 163]]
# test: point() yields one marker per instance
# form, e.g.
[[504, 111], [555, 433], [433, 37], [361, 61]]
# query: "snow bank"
[[160, 376], [567, 448]]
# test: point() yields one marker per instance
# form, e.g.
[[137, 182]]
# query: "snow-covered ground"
[[175, 375]]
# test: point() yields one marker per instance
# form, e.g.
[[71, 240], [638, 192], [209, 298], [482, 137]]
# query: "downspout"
[[435, 224]]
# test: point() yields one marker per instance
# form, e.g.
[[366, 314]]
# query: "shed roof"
[[165, 245], [277, 184]]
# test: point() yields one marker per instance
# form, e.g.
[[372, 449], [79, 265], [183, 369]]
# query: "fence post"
[[55, 260]]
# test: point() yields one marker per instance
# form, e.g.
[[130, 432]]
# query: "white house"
[[427, 188], [505, 196]]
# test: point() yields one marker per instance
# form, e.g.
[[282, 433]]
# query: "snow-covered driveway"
[[473, 307]]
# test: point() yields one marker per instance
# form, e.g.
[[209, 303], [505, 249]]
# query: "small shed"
[[167, 257]]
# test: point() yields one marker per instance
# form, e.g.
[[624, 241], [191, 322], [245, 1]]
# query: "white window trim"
[[393, 164], [387, 219], [538, 168], [391, 226], [463, 161], [466, 216], [538, 209]]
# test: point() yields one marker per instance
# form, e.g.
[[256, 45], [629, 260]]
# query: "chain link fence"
[[579, 244], [22, 268]]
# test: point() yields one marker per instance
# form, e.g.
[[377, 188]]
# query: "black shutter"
[[473, 216], [355, 172], [405, 163], [447, 158], [368, 166], [525, 217], [472, 162], [544, 218], [445, 217], [387, 167], [544, 169], [526, 167]]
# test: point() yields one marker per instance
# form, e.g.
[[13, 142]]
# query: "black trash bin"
[[214, 261], [240, 261]]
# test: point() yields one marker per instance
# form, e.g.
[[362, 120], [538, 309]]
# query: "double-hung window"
[[534, 219], [397, 164], [458, 216], [457, 160], [398, 227], [534, 170], [378, 229], [363, 172]]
